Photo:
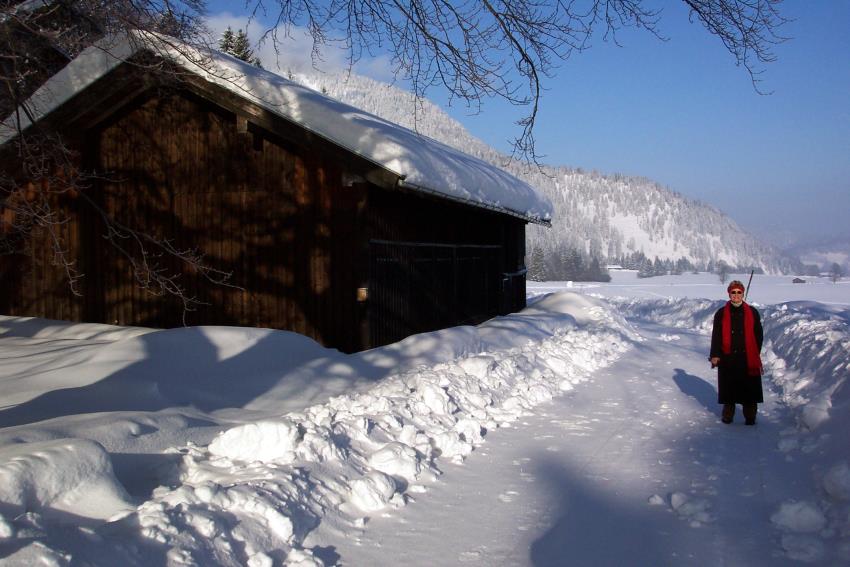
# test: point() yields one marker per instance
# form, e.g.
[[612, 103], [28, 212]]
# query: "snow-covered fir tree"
[[537, 266], [238, 45]]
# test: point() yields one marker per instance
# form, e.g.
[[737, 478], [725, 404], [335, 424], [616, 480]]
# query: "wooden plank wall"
[[34, 282], [270, 211]]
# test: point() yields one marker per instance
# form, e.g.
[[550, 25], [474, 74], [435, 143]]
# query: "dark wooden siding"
[[33, 282], [436, 264], [271, 212], [417, 287]]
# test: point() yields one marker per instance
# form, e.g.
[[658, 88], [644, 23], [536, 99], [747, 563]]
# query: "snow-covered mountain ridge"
[[606, 216]]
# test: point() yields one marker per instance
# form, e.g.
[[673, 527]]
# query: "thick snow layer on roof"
[[422, 163]]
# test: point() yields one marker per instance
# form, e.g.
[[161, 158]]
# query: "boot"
[[728, 413], [750, 411]]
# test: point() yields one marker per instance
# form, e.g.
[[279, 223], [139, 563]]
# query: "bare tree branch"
[[477, 49], [749, 29], [36, 40]]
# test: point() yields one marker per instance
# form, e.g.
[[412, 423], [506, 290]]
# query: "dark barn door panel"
[[419, 287]]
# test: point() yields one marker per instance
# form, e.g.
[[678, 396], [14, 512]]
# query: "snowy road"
[[633, 467]]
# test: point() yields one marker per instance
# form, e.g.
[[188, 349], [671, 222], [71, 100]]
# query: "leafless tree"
[[835, 272], [474, 49], [37, 38], [477, 49]]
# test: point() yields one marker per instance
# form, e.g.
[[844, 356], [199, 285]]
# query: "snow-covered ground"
[[581, 431]]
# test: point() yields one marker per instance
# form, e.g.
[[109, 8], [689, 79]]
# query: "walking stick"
[[747, 291]]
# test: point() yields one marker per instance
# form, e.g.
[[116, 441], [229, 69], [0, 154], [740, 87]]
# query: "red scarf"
[[754, 367]]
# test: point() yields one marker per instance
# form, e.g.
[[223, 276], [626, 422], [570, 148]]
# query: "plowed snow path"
[[633, 467]]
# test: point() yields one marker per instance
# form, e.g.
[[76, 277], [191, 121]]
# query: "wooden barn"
[[333, 222]]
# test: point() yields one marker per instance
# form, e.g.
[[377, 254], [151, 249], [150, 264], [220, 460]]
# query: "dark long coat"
[[734, 384]]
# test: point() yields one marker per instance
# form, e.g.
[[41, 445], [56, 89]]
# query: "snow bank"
[[49, 329], [69, 475], [813, 341], [264, 485], [679, 313], [263, 441], [316, 435]]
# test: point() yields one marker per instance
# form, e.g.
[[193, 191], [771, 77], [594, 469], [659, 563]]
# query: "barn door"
[[417, 287]]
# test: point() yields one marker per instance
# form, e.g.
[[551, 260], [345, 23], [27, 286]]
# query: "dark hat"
[[735, 284]]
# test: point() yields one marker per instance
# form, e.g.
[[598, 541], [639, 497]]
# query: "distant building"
[[798, 280]]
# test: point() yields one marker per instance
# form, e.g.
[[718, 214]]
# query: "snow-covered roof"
[[421, 163]]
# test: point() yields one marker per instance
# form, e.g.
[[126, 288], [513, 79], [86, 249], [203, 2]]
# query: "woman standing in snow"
[[736, 341]]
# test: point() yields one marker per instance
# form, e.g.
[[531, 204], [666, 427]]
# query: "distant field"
[[764, 289]]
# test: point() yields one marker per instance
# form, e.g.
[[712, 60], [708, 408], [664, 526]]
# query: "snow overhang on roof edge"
[[420, 163]]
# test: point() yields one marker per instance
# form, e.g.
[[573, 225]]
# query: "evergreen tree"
[[722, 271], [554, 265], [573, 265], [835, 273], [238, 45], [595, 272], [226, 41], [242, 47], [636, 261], [645, 270], [683, 265], [537, 265]]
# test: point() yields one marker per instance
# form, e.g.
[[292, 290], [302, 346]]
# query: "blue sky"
[[681, 113]]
